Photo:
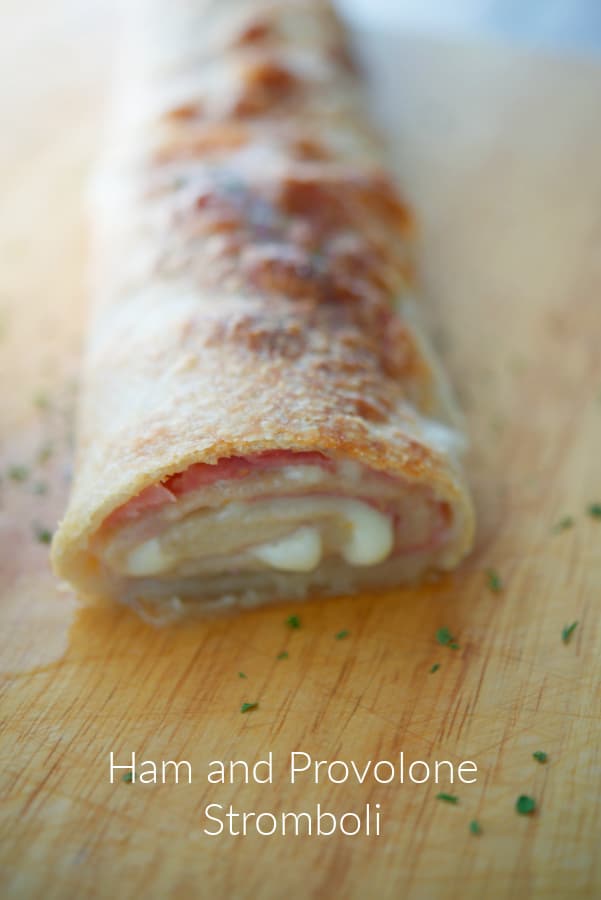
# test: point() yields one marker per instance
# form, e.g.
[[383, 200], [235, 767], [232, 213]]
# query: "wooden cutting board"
[[500, 155]]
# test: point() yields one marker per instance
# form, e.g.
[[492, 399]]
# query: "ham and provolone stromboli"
[[261, 416]]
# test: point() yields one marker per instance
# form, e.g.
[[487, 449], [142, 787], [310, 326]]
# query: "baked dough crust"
[[252, 278]]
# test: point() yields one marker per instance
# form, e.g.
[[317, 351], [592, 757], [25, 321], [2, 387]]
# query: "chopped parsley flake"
[[241, 675], [45, 452], [563, 524], [444, 637], [18, 473], [494, 581], [435, 667], [128, 777], [282, 655], [448, 798], [293, 622], [40, 487], [41, 400], [540, 756], [475, 827], [341, 635], [594, 510], [246, 707], [44, 535], [525, 805], [568, 631]]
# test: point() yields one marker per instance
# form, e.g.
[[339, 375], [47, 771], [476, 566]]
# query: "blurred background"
[[574, 25]]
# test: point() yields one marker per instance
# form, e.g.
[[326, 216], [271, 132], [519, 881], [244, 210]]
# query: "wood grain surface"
[[500, 155]]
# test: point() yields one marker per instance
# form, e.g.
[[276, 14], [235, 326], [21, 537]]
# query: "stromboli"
[[261, 415]]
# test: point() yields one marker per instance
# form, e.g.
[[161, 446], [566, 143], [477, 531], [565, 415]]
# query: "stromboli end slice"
[[261, 415]]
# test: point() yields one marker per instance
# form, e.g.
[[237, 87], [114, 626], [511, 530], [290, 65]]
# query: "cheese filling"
[[267, 534], [271, 515], [297, 552]]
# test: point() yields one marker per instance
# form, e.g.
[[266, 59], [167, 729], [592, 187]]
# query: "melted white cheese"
[[305, 474], [371, 534], [297, 552], [365, 535], [147, 559]]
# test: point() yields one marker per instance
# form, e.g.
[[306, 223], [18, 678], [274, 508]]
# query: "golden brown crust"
[[252, 268]]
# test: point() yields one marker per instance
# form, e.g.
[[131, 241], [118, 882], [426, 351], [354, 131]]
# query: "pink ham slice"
[[202, 475]]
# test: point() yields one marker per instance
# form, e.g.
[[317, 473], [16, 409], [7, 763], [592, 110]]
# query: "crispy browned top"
[[257, 186]]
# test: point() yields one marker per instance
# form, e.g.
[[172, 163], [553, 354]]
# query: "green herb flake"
[[40, 487], [43, 535], [18, 473], [241, 675], [45, 453], [475, 827], [594, 510], [282, 655], [128, 777], [540, 756], [444, 637], [435, 667], [494, 581], [341, 635], [563, 525], [41, 400], [246, 707], [568, 631], [525, 805], [293, 622], [448, 798]]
